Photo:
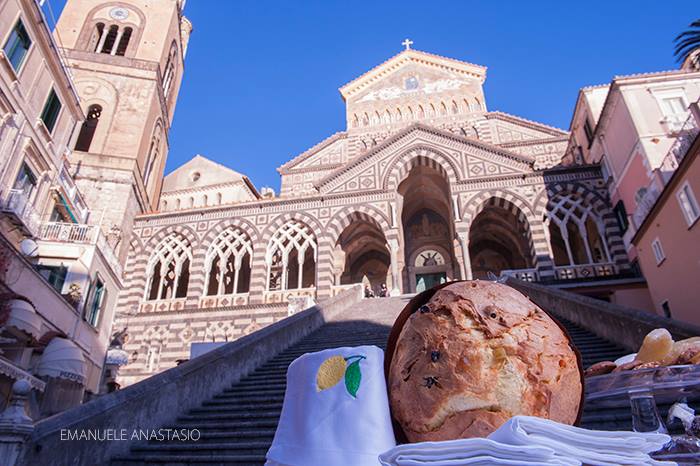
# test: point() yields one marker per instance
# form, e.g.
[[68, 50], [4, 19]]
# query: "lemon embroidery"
[[331, 371]]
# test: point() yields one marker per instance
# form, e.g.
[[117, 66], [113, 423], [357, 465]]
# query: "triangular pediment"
[[199, 172], [460, 158], [443, 74]]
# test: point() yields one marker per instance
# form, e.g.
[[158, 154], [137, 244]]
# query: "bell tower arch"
[[127, 59]]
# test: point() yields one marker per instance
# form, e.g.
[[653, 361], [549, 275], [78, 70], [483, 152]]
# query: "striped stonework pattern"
[[527, 195]]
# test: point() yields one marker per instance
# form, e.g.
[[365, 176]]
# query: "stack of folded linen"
[[472, 452], [525, 440], [598, 447]]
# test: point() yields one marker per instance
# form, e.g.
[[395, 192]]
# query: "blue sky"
[[262, 77]]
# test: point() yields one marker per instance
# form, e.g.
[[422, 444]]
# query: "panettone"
[[472, 356]]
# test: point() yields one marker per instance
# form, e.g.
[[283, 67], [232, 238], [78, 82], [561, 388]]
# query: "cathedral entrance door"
[[425, 281]]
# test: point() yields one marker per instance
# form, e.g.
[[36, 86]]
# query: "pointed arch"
[[399, 168], [168, 269], [291, 257], [227, 263]]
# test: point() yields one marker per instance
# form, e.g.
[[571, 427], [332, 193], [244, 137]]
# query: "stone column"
[[324, 268], [258, 274], [15, 425], [464, 244], [395, 275]]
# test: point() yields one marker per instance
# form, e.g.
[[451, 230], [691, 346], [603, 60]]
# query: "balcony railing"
[[80, 233], [687, 133], [17, 203], [66, 182]]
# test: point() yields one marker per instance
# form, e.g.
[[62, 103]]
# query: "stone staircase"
[[237, 426]]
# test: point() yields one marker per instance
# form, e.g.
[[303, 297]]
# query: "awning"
[[117, 357], [16, 373], [23, 317], [62, 359]]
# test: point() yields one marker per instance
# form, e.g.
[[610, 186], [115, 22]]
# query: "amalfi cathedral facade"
[[111, 271], [424, 185]]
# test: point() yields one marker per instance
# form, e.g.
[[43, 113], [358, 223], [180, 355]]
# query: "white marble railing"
[[69, 232], [17, 202], [80, 233], [687, 133], [68, 185]]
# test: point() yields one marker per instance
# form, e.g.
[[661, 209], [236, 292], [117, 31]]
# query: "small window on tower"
[[588, 129], [87, 131]]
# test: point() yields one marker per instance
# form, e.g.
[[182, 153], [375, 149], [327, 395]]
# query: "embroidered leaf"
[[353, 376], [330, 372]]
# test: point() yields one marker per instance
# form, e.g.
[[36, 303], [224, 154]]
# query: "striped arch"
[[539, 248], [183, 230], [134, 276], [236, 222], [350, 214], [600, 207], [280, 220], [419, 156]]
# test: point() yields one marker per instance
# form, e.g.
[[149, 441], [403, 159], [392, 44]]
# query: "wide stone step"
[[218, 424], [244, 416], [250, 404], [202, 448], [182, 460], [235, 409]]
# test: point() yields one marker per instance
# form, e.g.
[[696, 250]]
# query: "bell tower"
[[127, 61]]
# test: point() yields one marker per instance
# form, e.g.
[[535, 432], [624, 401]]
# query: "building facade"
[[424, 185], [667, 235], [59, 275]]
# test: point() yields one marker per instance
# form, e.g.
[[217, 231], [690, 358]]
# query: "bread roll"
[[475, 355]]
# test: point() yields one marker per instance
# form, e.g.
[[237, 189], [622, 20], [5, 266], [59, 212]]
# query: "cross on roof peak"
[[407, 43]]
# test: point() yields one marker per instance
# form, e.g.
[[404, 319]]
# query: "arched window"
[[87, 131], [153, 152], [178, 203], [124, 41], [576, 234], [168, 269], [205, 200], [218, 198], [96, 37], [421, 112], [169, 73], [455, 109], [355, 121], [443, 108], [227, 263], [365, 119], [291, 257], [108, 40]]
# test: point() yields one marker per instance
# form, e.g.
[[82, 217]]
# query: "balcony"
[[18, 205], [67, 185], [673, 124], [81, 234], [687, 133]]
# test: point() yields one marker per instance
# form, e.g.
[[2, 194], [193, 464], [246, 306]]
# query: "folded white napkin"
[[336, 410], [473, 452], [594, 447]]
